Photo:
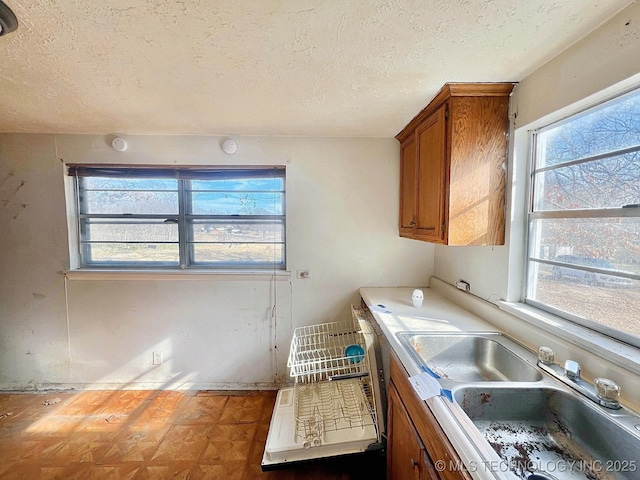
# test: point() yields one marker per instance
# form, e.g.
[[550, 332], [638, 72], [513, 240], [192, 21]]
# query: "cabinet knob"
[[414, 464], [412, 224]]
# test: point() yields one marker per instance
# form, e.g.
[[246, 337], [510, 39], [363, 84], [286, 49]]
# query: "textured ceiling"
[[266, 67]]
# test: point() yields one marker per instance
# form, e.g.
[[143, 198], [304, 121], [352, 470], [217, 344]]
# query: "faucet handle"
[[546, 355], [572, 370], [607, 390]]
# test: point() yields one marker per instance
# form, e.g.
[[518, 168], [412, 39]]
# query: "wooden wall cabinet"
[[416, 443], [453, 158]]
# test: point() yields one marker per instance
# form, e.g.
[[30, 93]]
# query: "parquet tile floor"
[[137, 435]]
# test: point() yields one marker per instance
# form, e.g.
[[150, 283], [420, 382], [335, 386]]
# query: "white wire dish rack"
[[333, 390]]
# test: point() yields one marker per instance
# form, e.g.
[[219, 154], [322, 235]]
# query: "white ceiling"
[[266, 67]]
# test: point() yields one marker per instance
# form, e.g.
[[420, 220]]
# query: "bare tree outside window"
[[584, 219]]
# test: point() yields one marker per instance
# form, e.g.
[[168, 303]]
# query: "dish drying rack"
[[333, 390]]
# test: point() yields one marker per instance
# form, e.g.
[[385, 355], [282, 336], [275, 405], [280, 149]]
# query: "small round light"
[[119, 144], [229, 146]]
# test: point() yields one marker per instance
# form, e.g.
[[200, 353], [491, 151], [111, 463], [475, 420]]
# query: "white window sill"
[[208, 275], [615, 351]]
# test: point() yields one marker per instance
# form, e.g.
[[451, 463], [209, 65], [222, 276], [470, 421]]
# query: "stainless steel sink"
[[551, 433], [477, 357]]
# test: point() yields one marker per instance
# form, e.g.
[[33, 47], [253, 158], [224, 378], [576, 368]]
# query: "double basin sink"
[[523, 422]]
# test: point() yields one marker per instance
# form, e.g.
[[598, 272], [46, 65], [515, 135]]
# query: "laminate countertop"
[[394, 312]]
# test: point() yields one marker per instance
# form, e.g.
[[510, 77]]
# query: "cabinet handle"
[[412, 224], [414, 464]]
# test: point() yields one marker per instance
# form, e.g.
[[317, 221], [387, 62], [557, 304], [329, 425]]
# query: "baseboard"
[[45, 388]]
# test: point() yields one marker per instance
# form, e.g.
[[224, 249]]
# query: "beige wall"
[[607, 57], [342, 204]]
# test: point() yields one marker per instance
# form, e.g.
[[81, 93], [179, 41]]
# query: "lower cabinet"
[[417, 447], [406, 456]]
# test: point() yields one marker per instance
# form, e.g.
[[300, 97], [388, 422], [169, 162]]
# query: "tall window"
[[584, 219], [198, 217]]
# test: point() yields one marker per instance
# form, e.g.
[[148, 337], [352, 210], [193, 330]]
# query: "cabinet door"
[[404, 449], [408, 186], [431, 143]]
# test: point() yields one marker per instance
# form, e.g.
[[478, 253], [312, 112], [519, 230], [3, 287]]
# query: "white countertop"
[[393, 310]]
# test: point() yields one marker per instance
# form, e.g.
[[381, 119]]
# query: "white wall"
[[216, 332], [608, 56]]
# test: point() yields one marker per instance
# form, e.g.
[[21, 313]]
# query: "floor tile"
[[115, 472], [200, 410], [137, 435], [225, 471], [182, 443], [170, 471], [137, 443], [242, 409]]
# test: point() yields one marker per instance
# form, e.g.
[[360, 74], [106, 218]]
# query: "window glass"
[[607, 128], [191, 218], [584, 219], [237, 203], [606, 183]]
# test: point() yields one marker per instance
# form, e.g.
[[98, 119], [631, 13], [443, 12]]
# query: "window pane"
[[607, 183], [133, 202], [237, 232], [608, 241], [588, 268], [239, 203], [127, 219], [105, 183], [250, 184], [133, 253], [608, 303], [613, 126], [240, 254], [114, 230]]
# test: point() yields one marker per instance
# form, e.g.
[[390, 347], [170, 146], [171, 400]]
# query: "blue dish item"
[[355, 353]]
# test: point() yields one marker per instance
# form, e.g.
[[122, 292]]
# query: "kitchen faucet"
[[604, 392]]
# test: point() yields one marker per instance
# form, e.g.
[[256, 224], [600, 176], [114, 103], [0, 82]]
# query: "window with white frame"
[[155, 217], [583, 258]]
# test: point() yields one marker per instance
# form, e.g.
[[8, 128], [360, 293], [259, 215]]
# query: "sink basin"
[[470, 357], [549, 433]]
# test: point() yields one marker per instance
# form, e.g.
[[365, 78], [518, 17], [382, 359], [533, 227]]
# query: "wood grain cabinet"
[[417, 447], [453, 157], [406, 456]]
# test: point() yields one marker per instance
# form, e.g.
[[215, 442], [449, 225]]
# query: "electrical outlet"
[[304, 273], [157, 358]]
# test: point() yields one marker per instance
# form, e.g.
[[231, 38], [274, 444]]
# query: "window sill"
[[615, 351], [208, 275]]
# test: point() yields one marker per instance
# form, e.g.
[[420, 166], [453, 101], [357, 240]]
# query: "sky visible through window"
[[226, 222], [585, 217]]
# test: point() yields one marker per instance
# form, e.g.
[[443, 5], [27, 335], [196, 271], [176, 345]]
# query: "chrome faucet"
[[604, 392]]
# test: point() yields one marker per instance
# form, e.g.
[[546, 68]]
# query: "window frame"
[[530, 215], [185, 218]]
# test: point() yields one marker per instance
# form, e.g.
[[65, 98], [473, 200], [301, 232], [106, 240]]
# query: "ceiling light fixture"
[[229, 146], [119, 144], [8, 21]]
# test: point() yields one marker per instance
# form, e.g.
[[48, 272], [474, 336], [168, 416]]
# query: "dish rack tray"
[[318, 352], [333, 390], [326, 407]]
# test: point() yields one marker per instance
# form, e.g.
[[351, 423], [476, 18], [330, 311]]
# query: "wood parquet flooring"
[[136, 435]]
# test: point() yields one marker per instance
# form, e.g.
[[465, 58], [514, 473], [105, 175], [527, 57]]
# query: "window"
[[180, 218], [584, 219]]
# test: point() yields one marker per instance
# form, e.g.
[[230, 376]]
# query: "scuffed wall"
[[213, 332]]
